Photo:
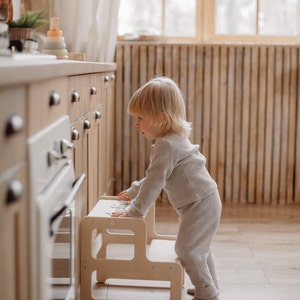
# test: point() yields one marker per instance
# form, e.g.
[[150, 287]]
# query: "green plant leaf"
[[31, 19]]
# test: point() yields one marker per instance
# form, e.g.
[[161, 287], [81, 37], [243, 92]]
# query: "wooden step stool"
[[154, 257]]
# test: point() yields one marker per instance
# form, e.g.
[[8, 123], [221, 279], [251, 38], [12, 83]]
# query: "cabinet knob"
[[86, 124], [113, 77], [14, 191], [14, 125], [106, 78], [93, 90], [75, 134], [98, 114], [54, 99], [75, 96]]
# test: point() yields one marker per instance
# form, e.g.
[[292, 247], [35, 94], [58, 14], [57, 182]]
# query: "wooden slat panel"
[[134, 137], [191, 97], [142, 155], [297, 154], [229, 146], [175, 63], [119, 119], [159, 61], [245, 124], [151, 72], [205, 145], [222, 122], [292, 146], [198, 109], [269, 124], [277, 125], [242, 101], [127, 129], [237, 125], [261, 114], [183, 77], [168, 57], [213, 155], [284, 125], [253, 125]]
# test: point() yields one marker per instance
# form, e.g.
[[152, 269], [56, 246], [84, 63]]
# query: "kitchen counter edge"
[[12, 74]]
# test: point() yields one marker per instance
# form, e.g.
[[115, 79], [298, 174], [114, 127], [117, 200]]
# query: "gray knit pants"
[[198, 224]]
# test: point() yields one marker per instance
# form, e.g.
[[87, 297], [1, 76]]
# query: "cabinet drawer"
[[95, 88], [13, 126], [84, 94], [14, 235], [47, 101], [77, 92]]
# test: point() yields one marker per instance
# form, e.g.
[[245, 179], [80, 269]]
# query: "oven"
[[53, 190]]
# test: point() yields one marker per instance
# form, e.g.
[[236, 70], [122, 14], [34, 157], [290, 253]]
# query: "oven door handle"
[[76, 186]]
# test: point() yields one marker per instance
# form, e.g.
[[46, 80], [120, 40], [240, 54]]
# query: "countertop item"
[[55, 42]]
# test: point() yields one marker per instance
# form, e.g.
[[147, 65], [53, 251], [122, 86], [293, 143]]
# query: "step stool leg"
[[85, 285], [176, 284]]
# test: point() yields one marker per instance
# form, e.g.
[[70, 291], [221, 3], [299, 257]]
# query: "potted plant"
[[20, 30]]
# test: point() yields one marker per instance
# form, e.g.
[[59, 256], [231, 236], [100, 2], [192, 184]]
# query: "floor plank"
[[257, 252]]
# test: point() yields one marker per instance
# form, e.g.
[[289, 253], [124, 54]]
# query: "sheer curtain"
[[89, 26]]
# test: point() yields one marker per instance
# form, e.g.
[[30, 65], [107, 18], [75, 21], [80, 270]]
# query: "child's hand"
[[118, 214], [120, 209], [124, 196]]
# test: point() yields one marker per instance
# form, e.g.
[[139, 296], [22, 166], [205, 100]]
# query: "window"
[[169, 18], [211, 20], [257, 17]]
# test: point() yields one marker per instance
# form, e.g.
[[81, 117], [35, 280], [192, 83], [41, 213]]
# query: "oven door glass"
[[62, 255], [56, 216]]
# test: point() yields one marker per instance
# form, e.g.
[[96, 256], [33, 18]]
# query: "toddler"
[[177, 166]]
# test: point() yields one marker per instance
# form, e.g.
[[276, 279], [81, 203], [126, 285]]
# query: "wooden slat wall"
[[243, 102]]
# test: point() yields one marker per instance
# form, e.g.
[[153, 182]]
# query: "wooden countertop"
[[22, 69]]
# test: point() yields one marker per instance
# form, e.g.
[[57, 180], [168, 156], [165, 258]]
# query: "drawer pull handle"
[[86, 124], [75, 96], [113, 77], [98, 114], [14, 125], [14, 191], [65, 146], [93, 90], [70, 198], [75, 135], [106, 79], [53, 157], [54, 99]]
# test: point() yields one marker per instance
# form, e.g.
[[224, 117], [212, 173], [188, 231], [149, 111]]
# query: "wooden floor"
[[257, 252]]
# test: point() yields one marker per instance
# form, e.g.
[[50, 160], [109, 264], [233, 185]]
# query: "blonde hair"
[[161, 95]]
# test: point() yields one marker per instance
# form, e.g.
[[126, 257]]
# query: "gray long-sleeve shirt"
[[177, 166]]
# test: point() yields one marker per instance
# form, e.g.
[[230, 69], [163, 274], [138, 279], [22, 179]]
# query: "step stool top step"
[[104, 208]]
